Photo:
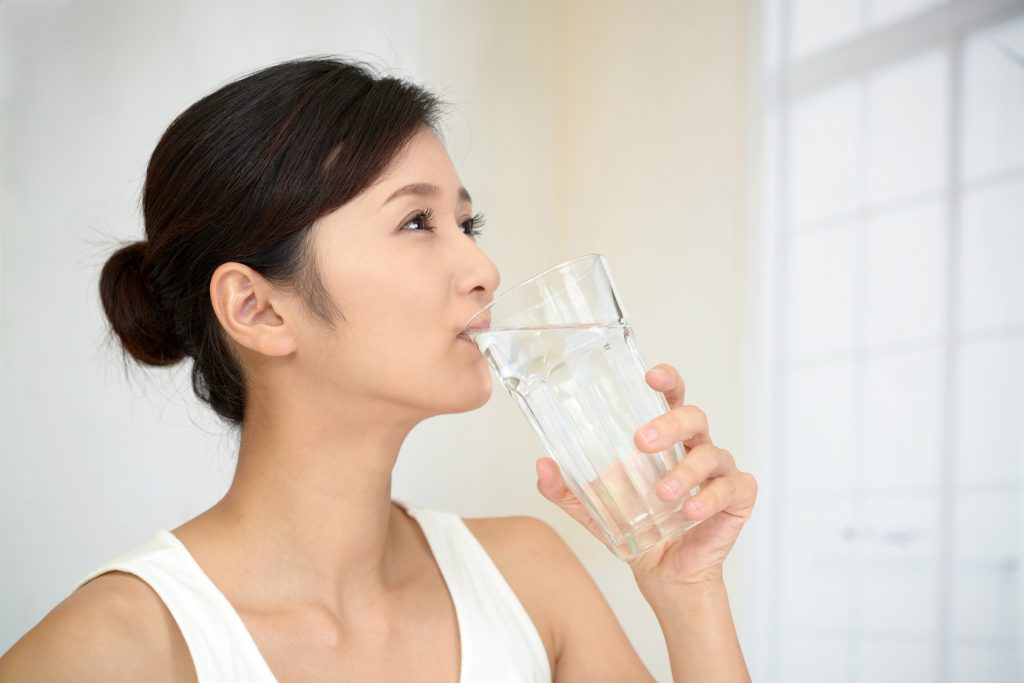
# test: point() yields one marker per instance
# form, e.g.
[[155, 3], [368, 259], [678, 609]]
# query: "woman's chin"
[[477, 393], [486, 387]]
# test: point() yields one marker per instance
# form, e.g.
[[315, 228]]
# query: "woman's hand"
[[724, 503]]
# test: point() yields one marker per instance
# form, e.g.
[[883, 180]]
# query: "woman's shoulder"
[[114, 627], [558, 591], [529, 549], [525, 540], [538, 565]]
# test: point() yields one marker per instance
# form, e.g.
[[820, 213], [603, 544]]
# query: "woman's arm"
[[695, 618], [114, 628], [699, 632], [681, 576]]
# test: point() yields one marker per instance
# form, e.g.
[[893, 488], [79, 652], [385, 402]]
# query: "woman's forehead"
[[422, 168]]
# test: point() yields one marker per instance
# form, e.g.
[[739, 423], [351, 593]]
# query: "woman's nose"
[[481, 273]]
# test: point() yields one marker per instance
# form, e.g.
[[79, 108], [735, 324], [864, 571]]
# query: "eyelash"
[[424, 215]]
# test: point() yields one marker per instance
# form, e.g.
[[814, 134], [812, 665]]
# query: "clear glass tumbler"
[[562, 346]]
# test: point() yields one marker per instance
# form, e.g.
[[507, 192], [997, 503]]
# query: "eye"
[[420, 218], [473, 225]]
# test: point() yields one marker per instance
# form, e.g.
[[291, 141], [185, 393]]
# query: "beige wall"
[[579, 127], [655, 114]]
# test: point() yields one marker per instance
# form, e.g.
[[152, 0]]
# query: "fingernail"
[[695, 505], [671, 487], [649, 434], [658, 374]]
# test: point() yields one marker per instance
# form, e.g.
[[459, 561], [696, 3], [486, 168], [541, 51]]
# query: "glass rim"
[[597, 257]]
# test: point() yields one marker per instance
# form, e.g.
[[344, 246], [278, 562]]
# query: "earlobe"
[[244, 303]]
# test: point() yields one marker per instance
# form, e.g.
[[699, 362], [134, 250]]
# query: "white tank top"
[[499, 641]]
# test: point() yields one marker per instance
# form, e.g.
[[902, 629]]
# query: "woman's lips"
[[481, 325]]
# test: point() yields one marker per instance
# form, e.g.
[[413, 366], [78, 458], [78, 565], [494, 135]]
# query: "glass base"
[[642, 538]]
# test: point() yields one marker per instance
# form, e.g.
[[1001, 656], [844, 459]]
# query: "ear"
[[251, 311]]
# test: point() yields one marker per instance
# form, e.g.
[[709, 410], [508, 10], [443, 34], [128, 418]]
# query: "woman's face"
[[405, 290]]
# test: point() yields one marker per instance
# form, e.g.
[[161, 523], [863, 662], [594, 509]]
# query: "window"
[[893, 276]]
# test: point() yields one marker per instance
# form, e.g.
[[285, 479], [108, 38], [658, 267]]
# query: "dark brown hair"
[[241, 175]]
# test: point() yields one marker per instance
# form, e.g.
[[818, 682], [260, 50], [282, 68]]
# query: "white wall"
[[579, 127]]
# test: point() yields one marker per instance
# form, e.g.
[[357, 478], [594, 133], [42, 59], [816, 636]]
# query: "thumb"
[[549, 480], [552, 486]]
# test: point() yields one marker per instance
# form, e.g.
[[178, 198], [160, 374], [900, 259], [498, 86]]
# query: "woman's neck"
[[310, 518]]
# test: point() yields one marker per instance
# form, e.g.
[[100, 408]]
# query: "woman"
[[303, 224]]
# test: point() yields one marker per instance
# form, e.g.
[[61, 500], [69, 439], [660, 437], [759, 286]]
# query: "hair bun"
[[146, 331]]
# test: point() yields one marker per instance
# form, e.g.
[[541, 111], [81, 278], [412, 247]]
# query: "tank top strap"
[[500, 642], [221, 647]]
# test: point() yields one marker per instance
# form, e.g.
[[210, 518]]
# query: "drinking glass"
[[562, 345]]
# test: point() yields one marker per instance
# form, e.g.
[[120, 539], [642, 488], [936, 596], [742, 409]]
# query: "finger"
[[701, 463], [686, 424], [732, 492], [665, 378], [552, 486], [549, 479]]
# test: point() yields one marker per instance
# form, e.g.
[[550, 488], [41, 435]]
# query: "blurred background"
[[814, 209]]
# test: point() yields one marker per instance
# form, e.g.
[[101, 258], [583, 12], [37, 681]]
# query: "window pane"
[[989, 428], [992, 257], [812, 658], [825, 154], [819, 429], [817, 563], [822, 286], [986, 543], [893, 660], [771, 17], [906, 275], [985, 663], [903, 421], [899, 565], [818, 24], [907, 128], [881, 12], [994, 100]]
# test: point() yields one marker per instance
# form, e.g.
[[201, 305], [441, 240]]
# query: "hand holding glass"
[[562, 346]]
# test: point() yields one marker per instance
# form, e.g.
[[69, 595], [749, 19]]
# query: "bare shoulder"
[[523, 539], [531, 555], [543, 570], [113, 628], [516, 545]]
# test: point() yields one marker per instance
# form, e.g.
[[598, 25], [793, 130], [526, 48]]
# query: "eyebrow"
[[425, 189]]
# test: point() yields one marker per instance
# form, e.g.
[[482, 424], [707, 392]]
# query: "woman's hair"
[[241, 175]]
